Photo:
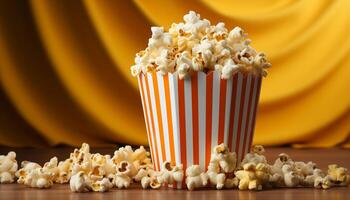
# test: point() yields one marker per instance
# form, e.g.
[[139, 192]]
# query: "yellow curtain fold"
[[65, 78]]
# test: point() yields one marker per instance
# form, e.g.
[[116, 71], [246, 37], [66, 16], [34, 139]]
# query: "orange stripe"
[[208, 117], [170, 120], [146, 117], [244, 83], [255, 109], [159, 115], [195, 118], [152, 123], [182, 122], [232, 111], [222, 110], [248, 115]]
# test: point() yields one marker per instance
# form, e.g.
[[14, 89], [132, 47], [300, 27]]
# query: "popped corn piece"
[[164, 62], [102, 185], [159, 39], [27, 167], [122, 178], [154, 183], [184, 64], [51, 167], [170, 173], [195, 177], [323, 182], [229, 68], [217, 179], [231, 182], [80, 182], [123, 154], [64, 171], [256, 156], [338, 175], [304, 169], [282, 159], [8, 167], [248, 178], [38, 178], [291, 179], [310, 179], [140, 174], [225, 160], [145, 182]]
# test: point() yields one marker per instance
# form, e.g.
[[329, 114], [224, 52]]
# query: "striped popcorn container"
[[186, 118]]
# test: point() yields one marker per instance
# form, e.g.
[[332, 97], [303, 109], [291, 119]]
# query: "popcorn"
[[256, 156], [101, 186], [291, 179], [207, 46], [122, 179], [64, 171], [164, 63], [39, 178], [247, 178], [99, 173], [217, 179], [80, 182], [184, 64], [310, 179], [226, 160], [145, 182], [338, 175], [8, 167], [222, 162], [322, 182], [51, 168], [159, 38], [229, 68], [170, 173], [27, 167], [195, 177]]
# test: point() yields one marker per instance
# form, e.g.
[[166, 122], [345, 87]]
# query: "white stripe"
[[252, 111], [155, 117], [175, 115], [227, 108], [188, 122], [142, 92], [152, 142], [244, 119], [201, 117], [236, 110], [164, 115], [215, 113]]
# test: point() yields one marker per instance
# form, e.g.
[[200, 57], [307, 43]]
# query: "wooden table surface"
[[322, 157]]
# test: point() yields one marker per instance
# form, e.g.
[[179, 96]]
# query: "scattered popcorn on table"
[[86, 172], [8, 167]]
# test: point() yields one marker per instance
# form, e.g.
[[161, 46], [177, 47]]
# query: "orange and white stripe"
[[186, 118]]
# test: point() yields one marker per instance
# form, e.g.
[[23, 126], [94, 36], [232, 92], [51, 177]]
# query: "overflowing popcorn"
[[94, 172], [196, 45]]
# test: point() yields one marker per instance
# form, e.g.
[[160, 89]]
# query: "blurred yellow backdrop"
[[65, 68]]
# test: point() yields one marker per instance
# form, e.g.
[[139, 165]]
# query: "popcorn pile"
[[196, 45], [85, 171]]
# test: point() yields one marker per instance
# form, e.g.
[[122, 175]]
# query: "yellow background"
[[65, 68]]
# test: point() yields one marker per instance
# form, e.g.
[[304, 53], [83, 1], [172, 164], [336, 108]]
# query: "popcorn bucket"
[[186, 118]]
